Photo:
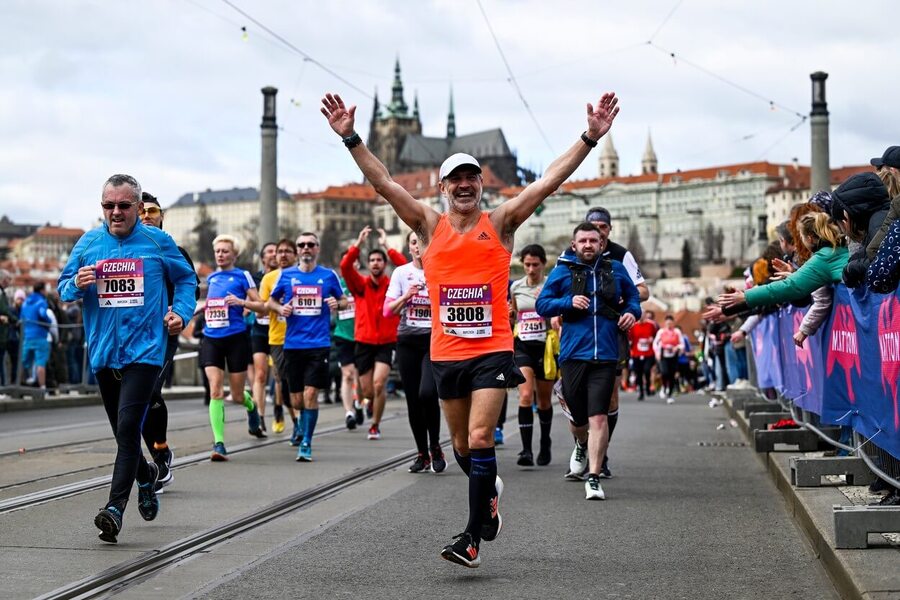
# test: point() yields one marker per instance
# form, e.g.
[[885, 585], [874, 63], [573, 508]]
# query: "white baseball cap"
[[458, 160]]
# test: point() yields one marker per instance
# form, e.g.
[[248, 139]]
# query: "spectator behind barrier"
[[884, 272], [860, 204], [888, 170], [823, 268]]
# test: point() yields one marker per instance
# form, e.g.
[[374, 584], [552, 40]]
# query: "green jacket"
[[823, 268]]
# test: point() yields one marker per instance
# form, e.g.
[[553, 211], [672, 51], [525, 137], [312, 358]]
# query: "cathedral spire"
[[609, 159], [376, 108], [398, 105], [416, 104], [451, 118], [649, 164]]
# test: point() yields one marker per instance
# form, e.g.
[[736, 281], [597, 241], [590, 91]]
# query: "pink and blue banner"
[[848, 372]]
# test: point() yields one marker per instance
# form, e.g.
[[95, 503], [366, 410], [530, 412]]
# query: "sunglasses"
[[153, 211], [307, 244], [123, 206]]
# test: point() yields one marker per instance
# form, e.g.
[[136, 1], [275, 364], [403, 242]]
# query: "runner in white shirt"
[[407, 296]]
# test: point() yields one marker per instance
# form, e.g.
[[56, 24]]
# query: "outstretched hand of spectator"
[[799, 338], [730, 299], [713, 314]]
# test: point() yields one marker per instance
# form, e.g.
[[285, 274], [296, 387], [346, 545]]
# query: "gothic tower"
[[649, 162], [451, 119], [609, 159], [392, 123]]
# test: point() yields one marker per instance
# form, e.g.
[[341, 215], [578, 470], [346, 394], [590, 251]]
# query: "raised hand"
[[363, 236], [600, 118], [382, 237], [726, 300], [340, 118]]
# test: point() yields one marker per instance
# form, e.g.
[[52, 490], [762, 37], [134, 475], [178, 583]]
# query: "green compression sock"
[[217, 419], [248, 401]]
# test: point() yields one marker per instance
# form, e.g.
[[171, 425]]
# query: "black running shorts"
[[530, 354], [259, 344], [587, 388], [367, 355], [232, 350], [459, 378], [307, 368], [346, 351]]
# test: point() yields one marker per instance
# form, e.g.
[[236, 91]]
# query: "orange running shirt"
[[468, 277]]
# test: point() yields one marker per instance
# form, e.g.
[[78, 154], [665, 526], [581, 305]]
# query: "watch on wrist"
[[352, 141], [585, 139]]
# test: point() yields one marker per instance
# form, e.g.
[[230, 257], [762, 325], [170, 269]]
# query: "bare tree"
[[634, 245], [709, 242], [687, 259], [205, 230]]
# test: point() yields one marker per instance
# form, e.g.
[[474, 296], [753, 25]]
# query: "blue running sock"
[[464, 462], [482, 487], [310, 418]]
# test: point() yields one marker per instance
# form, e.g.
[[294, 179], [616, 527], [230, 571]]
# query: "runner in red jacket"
[[376, 334]]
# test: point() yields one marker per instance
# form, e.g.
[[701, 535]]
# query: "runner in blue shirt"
[[225, 341], [309, 293]]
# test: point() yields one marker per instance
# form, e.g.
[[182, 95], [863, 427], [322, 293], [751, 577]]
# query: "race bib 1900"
[[466, 310], [120, 282], [418, 310]]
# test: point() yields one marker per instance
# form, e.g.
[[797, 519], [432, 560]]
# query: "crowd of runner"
[[459, 331]]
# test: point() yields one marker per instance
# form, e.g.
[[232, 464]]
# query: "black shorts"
[[259, 344], [530, 354], [233, 350], [346, 351], [459, 378], [366, 355], [587, 388], [306, 368]]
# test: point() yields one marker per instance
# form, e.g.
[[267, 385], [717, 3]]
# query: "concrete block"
[[760, 420], [765, 440], [755, 406], [853, 524], [808, 471]]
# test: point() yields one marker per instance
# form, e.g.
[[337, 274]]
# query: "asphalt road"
[[682, 520]]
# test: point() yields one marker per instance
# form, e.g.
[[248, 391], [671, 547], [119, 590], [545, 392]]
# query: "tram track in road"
[[130, 572], [106, 438], [79, 487]]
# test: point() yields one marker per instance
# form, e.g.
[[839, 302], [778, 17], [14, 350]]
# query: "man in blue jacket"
[[35, 345], [595, 297], [119, 270]]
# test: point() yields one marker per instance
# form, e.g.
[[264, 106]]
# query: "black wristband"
[[586, 140], [353, 141]]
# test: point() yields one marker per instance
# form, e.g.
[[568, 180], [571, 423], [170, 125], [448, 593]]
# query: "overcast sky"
[[169, 91]]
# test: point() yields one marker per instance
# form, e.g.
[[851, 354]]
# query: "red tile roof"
[[50, 231], [417, 183]]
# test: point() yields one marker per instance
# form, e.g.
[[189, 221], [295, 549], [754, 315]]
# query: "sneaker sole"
[[570, 476], [593, 497], [216, 457], [453, 557], [304, 459], [108, 529], [441, 470]]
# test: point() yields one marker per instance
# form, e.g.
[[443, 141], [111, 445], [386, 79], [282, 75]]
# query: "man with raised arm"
[[466, 258]]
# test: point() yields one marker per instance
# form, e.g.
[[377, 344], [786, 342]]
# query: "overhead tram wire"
[[512, 79], [771, 103], [294, 48], [792, 129], [666, 20]]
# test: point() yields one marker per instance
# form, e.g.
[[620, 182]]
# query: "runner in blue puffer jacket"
[[120, 270], [597, 300]]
